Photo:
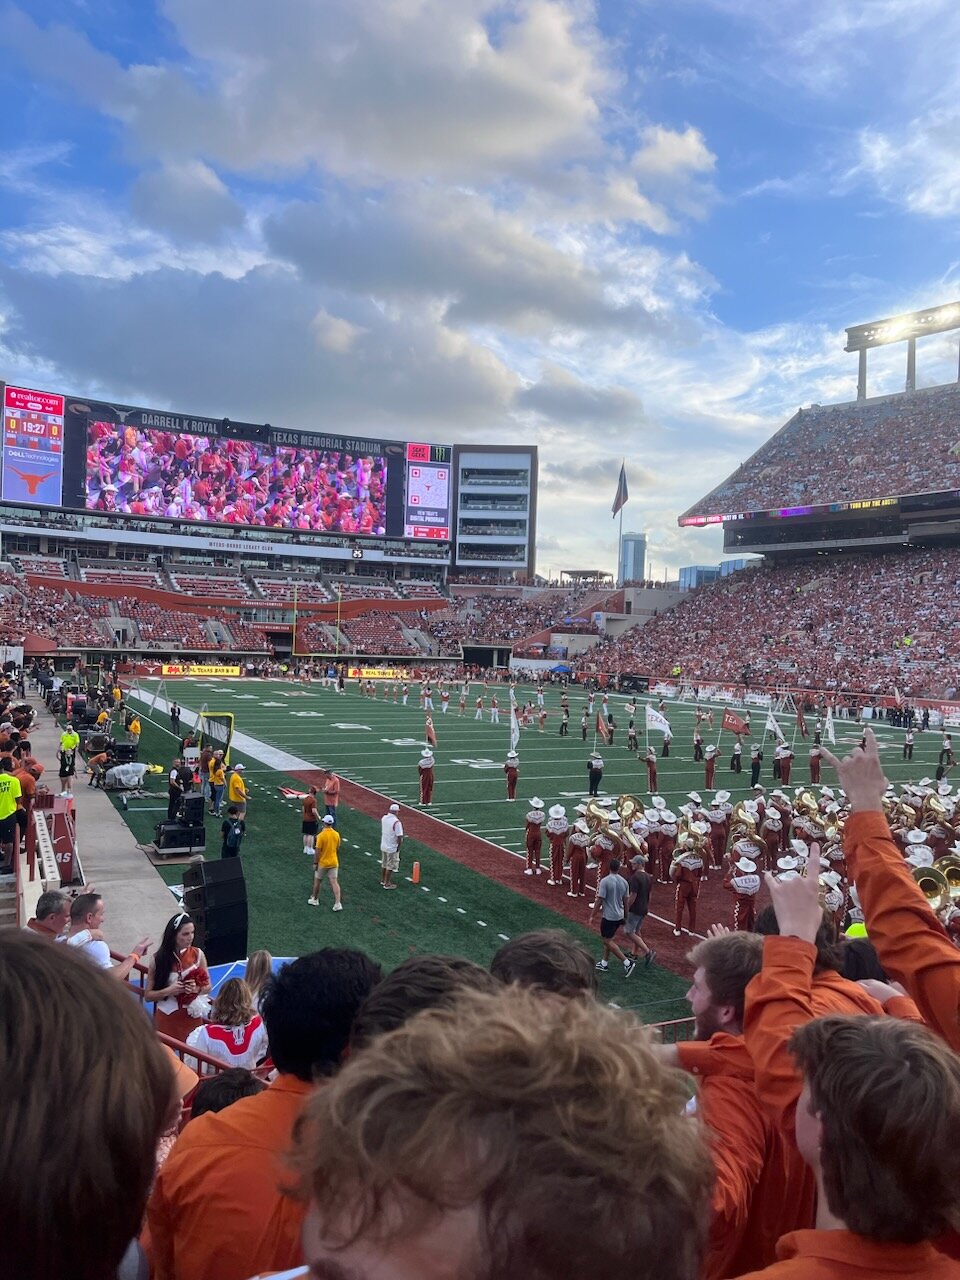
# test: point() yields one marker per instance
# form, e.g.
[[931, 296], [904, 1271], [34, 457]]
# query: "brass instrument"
[[741, 818], [629, 809], [805, 803], [597, 817], [932, 811], [934, 886], [909, 814], [949, 866]]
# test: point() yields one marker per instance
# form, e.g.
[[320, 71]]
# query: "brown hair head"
[[233, 1006], [887, 1094], [547, 958], [552, 1117], [259, 971], [421, 982], [82, 1173], [728, 963]]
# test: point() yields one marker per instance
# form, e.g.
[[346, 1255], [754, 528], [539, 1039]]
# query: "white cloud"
[[918, 166], [187, 199]]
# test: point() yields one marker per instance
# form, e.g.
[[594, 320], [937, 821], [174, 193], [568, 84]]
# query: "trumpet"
[[934, 886]]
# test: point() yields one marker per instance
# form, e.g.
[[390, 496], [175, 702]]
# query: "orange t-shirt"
[[217, 1211], [911, 943], [841, 1255], [309, 808], [763, 1188]]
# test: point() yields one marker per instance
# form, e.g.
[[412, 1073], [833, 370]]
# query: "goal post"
[[215, 729]]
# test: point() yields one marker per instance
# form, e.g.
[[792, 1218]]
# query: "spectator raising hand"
[[797, 901], [861, 775]]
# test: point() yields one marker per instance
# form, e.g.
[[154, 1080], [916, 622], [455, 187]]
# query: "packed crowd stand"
[[449, 1120], [865, 622], [891, 447]]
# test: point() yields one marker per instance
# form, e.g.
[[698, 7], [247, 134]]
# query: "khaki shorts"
[[326, 873], [390, 861]]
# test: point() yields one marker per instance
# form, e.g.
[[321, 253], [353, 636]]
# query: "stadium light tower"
[[906, 328]]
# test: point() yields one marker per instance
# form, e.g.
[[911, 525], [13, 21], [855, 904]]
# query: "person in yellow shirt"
[[237, 790], [10, 802], [217, 773], [102, 719], [326, 864], [134, 730]]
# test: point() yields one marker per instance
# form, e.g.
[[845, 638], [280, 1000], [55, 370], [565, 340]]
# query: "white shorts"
[[390, 861]]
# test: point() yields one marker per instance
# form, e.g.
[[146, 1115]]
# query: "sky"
[[619, 230]]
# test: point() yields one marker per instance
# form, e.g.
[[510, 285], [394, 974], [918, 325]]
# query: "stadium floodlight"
[[906, 328], [913, 324]]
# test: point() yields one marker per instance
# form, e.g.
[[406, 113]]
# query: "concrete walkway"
[[138, 903]]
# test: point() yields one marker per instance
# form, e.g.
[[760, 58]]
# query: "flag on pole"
[[897, 696], [514, 728], [622, 495], [602, 728], [773, 727], [733, 722], [288, 793], [656, 720], [431, 733], [828, 730], [802, 724]]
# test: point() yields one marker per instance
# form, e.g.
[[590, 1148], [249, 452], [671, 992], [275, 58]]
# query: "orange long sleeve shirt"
[[763, 1189], [911, 943], [841, 1255], [217, 1211]]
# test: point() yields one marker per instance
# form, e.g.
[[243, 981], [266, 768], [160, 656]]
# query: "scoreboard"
[[32, 458], [427, 505]]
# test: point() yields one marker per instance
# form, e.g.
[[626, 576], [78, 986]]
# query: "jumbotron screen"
[[154, 465]]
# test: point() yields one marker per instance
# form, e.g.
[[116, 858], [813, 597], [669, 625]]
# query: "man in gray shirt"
[[612, 894]]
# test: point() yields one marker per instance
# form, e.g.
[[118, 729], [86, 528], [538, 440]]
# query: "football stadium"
[[376, 901]]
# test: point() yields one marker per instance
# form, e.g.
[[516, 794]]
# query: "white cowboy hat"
[[695, 797], [831, 878], [788, 863], [667, 817], [721, 797], [536, 802], [921, 856], [557, 811], [744, 864], [799, 848]]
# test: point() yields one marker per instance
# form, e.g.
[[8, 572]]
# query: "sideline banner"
[[376, 673], [196, 669]]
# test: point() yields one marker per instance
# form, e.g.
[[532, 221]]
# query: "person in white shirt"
[[391, 837], [87, 912], [235, 1033]]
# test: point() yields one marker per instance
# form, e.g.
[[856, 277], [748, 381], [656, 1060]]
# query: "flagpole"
[[623, 463]]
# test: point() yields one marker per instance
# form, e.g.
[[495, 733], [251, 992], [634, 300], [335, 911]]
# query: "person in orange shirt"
[[875, 1117], [311, 823], [762, 1188], [222, 1206], [331, 794], [464, 1143], [910, 942]]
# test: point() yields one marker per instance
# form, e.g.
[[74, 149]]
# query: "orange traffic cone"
[[415, 877]]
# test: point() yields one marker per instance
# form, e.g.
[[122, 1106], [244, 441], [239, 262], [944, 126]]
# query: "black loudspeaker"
[[200, 873], [215, 894], [191, 810], [176, 835], [125, 752]]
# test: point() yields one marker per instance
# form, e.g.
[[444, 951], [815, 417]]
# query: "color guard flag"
[[622, 495], [802, 724], [733, 722], [602, 728], [514, 728], [288, 793], [773, 727], [657, 720], [828, 730], [431, 733]]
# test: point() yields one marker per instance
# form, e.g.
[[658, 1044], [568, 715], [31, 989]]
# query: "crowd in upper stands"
[[899, 445], [867, 622]]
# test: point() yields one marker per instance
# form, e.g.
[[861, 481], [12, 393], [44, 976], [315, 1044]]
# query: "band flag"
[[733, 722], [602, 728], [802, 724], [431, 733], [773, 727], [657, 720]]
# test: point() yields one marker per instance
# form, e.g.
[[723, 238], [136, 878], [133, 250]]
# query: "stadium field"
[[472, 893]]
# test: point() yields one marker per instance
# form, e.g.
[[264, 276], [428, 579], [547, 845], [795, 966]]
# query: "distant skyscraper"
[[633, 557]]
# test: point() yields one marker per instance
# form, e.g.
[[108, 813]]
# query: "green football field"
[[377, 743]]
